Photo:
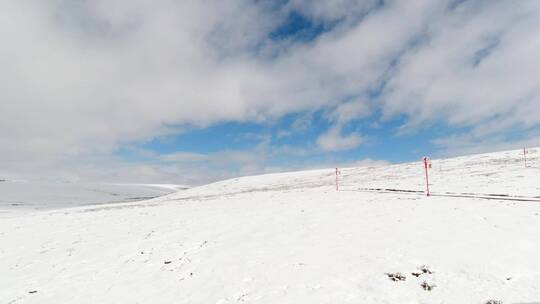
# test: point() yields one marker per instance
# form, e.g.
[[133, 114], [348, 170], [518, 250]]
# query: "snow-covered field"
[[22, 195], [291, 238]]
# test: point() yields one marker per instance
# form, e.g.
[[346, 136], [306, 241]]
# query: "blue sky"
[[383, 140], [193, 92], [291, 144]]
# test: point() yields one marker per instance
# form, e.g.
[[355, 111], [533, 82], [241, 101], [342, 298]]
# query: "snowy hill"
[[292, 238]]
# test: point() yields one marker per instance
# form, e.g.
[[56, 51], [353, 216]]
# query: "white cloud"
[[333, 140], [328, 11], [349, 111], [181, 157], [469, 143], [472, 71], [80, 78]]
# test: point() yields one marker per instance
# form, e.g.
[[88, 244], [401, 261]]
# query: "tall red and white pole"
[[525, 152], [427, 166]]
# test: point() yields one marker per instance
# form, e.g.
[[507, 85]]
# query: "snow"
[[291, 238], [23, 195]]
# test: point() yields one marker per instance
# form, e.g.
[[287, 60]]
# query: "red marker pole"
[[525, 156], [426, 167]]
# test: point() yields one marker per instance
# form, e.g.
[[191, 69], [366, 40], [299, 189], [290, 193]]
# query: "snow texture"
[[292, 238], [22, 195]]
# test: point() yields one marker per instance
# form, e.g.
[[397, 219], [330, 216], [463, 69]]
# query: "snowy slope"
[[291, 238], [498, 174]]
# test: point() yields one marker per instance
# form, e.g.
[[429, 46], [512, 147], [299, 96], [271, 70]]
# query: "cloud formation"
[[81, 78], [333, 140]]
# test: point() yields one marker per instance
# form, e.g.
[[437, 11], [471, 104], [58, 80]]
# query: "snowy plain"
[[292, 238], [20, 196]]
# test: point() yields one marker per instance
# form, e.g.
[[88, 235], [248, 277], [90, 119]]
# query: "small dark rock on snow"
[[425, 269], [428, 287], [398, 276]]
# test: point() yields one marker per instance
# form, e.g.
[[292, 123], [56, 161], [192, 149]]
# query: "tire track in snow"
[[503, 197]]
